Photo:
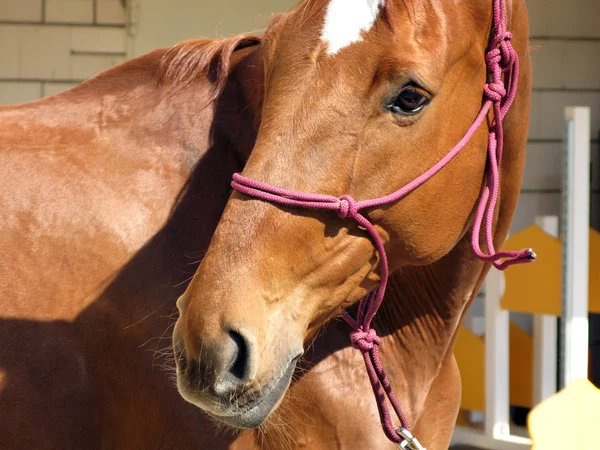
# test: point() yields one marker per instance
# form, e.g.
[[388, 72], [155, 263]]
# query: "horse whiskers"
[[167, 365], [295, 404], [300, 368], [150, 340], [184, 281], [174, 314], [162, 352], [311, 342], [279, 429], [166, 354], [142, 319], [195, 262], [162, 336], [199, 255]]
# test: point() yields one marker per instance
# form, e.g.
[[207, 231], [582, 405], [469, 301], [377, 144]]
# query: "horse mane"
[[184, 62]]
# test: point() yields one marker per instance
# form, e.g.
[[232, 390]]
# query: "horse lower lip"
[[259, 412]]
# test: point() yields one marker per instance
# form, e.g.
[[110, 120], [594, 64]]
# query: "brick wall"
[[48, 46], [160, 23]]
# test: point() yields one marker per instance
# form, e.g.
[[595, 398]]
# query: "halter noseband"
[[499, 94]]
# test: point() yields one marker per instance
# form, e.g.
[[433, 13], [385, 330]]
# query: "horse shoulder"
[[89, 175]]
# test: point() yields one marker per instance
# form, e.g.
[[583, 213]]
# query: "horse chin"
[[258, 412]]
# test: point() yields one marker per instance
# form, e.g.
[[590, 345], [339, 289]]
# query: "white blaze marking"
[[346, 19]]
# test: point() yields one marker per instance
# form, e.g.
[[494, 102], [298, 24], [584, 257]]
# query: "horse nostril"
[[240, 365]]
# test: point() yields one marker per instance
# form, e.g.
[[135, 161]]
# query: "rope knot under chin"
[[348, 207], [365, 340]]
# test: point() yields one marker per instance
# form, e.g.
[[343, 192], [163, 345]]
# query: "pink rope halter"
[[499, 94]]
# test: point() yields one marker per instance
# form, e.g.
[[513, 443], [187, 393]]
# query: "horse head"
[[360, 98]]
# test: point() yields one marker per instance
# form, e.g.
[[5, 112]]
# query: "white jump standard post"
[[575, 240], [545, 331], [497, 382]]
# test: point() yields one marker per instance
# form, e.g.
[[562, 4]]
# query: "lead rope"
[[499, 95]]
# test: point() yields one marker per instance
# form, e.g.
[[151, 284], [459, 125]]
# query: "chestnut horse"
[[112, 191]]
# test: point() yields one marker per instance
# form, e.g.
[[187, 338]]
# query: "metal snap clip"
[[410, 442]]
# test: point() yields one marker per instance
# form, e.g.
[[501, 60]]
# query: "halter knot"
[[493, 58], [364, 340], [502, 54], [501, 38], [495, 91], [348, 207], [508, 55]]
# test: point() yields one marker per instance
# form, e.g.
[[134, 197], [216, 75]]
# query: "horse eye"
[[410, 101]]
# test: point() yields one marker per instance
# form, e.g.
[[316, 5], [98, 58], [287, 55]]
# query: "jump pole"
[[574, 331], [545, 332]]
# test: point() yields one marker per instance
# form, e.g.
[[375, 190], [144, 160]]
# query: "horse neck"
[[420, 316]]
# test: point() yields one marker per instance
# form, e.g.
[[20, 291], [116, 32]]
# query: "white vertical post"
[[575, 234], [497, 385], [545, 333]]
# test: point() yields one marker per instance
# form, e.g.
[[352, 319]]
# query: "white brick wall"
[[20, 10], [47, 46], [97, 40], [19, 91], [69, 11], [52, 88], [560, 18], [544, 166], [44, 52], [86, 66], [547, 111], [110, 11], [542, 182], [9, 52], [563, 64], [566, 72]]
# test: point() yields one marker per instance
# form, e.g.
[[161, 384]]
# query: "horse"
[[113, 191]]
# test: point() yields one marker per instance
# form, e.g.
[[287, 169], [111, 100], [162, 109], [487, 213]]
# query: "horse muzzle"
[[224, 380]]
